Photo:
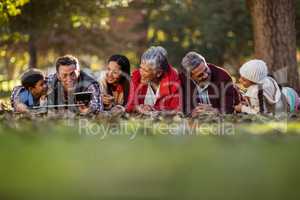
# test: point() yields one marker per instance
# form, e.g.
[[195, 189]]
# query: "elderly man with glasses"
[[206, 87]]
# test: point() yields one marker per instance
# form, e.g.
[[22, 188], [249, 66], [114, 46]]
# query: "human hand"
[[202, 108], [83, 108], [238, 108], [108, 100], [144, 109], [21, 108]]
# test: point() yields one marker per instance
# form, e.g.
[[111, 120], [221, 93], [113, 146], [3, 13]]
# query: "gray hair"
[[156, 56], [192, 60], [162, 50]]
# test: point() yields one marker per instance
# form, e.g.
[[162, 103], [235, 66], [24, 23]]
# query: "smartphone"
[[83, 97]]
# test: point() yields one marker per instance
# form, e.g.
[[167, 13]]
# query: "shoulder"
[[172, 73], [269, 84], [136, 72], [136, 75], [18, 90], [219, 73], [86, 81], [20, 93], [24, 94], [87, 76], [252, 91], [51, 78]]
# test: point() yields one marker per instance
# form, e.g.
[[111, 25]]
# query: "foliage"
[[56, 27], [95, 29], [10, 8], [220, 30]]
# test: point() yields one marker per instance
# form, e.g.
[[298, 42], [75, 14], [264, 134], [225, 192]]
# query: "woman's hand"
[[107, 100], [202, 108], [144, 109], [238, 108]]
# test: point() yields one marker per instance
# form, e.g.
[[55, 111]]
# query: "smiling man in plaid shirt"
[[69, 79]]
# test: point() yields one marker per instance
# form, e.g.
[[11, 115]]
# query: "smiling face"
[[113, 74], [148, 73], [68, 75], [201, 73], [39, 89], [245, 82]]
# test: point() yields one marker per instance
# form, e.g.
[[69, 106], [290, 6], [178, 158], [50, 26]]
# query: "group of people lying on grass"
[[197, 87]]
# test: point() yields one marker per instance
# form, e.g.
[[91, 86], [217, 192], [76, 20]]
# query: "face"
[[245, 82], [39, 89], [113, 73], [68, 75], [148, 73], [201, 73]]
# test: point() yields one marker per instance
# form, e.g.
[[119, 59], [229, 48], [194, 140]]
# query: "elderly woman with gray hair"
[[155, 86], [206, 87]]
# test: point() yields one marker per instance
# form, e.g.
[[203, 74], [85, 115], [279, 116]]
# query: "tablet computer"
[[83, 97]]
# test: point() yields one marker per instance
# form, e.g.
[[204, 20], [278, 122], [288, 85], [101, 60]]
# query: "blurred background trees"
[[220, 30], [33, 32], [48, 28], [275, 38]]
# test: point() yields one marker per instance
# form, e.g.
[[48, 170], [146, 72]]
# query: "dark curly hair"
[[31, 77]]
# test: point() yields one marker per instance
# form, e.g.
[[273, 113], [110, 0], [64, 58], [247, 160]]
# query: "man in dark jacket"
[[68, 80], [206, 87]]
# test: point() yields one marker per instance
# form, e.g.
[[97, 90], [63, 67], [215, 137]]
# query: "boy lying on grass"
[[31, 93]]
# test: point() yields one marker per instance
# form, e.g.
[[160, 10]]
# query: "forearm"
[[20, 107], [249, 110], [95, 104]]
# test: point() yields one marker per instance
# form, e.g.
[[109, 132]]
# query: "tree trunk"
[[275, 38], [32, 51]]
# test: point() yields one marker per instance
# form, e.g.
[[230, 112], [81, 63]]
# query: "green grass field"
[[57, 160]]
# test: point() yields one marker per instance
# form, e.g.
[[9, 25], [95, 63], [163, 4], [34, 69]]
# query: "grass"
[[56, 160]]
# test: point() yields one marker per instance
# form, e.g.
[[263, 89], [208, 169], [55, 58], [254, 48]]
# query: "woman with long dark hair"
[[115, 82]]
